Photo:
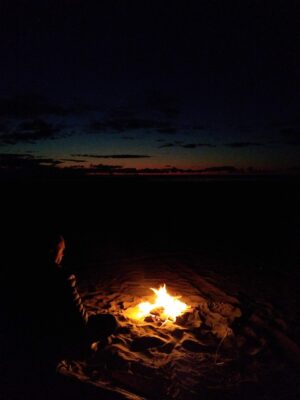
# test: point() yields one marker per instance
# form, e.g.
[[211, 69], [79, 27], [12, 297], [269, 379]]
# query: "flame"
[[169, 307]]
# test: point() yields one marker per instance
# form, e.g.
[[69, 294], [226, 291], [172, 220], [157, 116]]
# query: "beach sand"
[[229, 344]]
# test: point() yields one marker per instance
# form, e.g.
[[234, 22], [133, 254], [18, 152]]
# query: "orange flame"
[[170, 307]]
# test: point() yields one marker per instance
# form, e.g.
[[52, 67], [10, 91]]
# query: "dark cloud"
[[30, 106], [166, 145], [112, 155], [295, 168], [198, 127], [37, 125], [119, 125], [31, 132], [20, 166], [26, 165], [167, 130], [104, 168], [98, 126], [25, 162], [206, 145], [277, 124], [36, 106], [80, 108], [292, 122], [121, 113], [243, 144], [118, 169], [138, 117], [160, 170], [72, 160], [128, 138], [166, 104], [223, 168], [290, 135], [187, 145], [3, 128], [195, 145], [245, 129]]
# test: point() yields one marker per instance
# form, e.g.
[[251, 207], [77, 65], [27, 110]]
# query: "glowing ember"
[[166, 306]]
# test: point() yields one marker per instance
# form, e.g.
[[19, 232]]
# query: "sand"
[[227, 345]]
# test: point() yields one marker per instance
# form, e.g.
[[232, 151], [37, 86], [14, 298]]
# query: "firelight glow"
[[169, 307]]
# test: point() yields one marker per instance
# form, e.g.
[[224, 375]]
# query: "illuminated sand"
[[213, 347]]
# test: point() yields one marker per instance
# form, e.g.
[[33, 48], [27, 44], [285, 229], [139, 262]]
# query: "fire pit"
[[164, 307]]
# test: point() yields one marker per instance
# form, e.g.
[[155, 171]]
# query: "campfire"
[[164, 307]]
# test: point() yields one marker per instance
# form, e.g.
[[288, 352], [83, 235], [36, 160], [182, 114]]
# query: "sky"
[[124, 87]]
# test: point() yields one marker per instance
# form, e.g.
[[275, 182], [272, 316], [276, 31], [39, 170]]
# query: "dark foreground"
[[242, 237]]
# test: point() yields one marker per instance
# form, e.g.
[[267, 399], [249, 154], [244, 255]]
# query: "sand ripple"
[[222, 343]]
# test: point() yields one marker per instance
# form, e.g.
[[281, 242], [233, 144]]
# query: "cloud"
[[21, 166], [29, 106], [26, 165], [166, 104], [187, 145], [245, 129], [3, 128], [72, 160], [112, 155], [215, 170], [36, 106], [30, 132], [165, 170], [295, 168], [206, 145], [223, 168], [166, 145], [118, 169], [124, 124], [243, 144], [29, 166], [79, 108], [168, 130], [15, 161], [293, 121], [104, 168], [139, 117], [290, 135]]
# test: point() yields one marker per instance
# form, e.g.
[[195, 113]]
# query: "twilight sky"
[[91, 87]]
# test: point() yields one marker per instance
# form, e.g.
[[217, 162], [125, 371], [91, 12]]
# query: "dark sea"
[[255, 217]]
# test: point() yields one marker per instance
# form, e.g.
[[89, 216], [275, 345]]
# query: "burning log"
[[164, 308]]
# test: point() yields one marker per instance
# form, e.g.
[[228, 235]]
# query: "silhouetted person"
[[44, 320], [66, 328]]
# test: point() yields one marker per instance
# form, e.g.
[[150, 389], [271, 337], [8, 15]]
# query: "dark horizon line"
[[119, 175]]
